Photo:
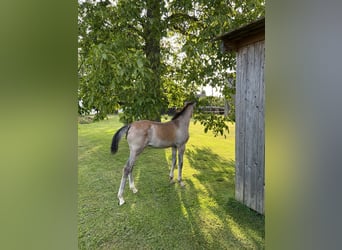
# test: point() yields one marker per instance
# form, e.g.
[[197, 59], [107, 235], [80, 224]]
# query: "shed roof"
[[244, 35]]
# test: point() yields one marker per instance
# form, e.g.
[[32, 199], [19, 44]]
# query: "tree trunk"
[[152, 35]]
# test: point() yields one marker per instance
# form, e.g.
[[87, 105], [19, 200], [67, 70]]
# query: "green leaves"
[[150, 55], [215, 123], [140, 63]]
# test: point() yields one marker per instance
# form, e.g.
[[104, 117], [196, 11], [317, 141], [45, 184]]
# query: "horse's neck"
[[185, 120]]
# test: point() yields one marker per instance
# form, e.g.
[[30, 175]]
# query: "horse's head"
[[188, 109], [190, 103], [189, 106]]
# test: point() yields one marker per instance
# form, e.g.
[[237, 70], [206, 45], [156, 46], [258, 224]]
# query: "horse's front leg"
[[181, 150], [174, 161]]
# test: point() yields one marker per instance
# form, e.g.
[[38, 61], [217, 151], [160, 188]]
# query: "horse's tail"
[[116, 138]]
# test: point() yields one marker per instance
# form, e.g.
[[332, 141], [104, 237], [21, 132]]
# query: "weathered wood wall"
[[250, 133]]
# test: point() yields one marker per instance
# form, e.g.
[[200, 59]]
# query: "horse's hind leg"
[[174, 161], [122, 184], [131, 182], [127, 172]]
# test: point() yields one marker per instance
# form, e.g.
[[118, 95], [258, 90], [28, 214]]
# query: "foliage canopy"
[[146, 56]]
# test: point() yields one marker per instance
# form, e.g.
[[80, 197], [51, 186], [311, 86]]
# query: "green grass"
[[203, 215]]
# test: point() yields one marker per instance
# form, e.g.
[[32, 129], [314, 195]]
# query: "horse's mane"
[[182, 111]]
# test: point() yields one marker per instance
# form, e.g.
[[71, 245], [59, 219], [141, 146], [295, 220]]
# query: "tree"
[[145, 55]]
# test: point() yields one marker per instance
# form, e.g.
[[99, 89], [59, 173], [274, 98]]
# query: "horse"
[[143, 133]]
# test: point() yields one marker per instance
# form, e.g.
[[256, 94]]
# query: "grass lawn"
[[203, 215]]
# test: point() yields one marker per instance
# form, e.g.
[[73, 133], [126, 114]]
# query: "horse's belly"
[[166, 136], [160, 144]]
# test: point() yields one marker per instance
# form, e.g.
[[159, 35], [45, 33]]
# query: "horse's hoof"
[[172, 181], [182, 184], [134, 190], [121, 202]]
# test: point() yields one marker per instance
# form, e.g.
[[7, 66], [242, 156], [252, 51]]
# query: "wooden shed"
[[249, 44]]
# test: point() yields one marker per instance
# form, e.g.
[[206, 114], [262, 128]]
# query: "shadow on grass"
[[213, 185], [203, 215], [151, 219]]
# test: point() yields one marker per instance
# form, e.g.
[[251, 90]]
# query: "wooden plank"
[[251, 40], [250, 149], [251, 126], [238, 163], [261, 131], [255, 108], [240, 124], [234, 45], [257, 150]]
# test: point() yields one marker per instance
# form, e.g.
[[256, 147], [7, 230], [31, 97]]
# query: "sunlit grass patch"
[[203, 215]]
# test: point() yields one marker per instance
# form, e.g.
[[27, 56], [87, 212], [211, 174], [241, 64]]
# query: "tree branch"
[[139, 32], [179, 18]]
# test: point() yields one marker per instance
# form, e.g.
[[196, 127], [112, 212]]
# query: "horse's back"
[[137, 135], [156, 134]]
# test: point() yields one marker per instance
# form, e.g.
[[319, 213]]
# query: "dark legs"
[[181, 150], [128, 169], [174, 161]]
